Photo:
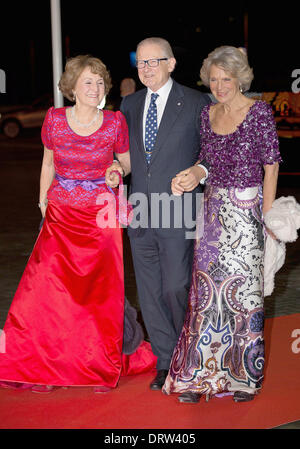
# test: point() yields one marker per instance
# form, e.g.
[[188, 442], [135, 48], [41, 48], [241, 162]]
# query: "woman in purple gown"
[[221, 346]]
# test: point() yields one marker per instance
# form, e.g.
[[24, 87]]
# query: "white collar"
[[164, 91]]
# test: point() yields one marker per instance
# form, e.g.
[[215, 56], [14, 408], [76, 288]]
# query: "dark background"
[[110, 30]]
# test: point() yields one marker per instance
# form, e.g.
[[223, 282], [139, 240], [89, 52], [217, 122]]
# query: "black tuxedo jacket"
[[176, 148]]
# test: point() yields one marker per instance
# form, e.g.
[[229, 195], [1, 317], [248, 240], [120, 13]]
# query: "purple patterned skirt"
[[221, 346]]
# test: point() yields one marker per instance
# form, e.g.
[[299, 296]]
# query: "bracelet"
[[43, 203], [116, 160]]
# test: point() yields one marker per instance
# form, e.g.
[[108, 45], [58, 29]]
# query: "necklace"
[[83, 125]]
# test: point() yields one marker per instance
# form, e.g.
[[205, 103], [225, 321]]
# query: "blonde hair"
[[230, 59], [74, 68]]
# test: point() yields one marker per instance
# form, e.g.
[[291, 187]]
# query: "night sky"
[[109, 31]]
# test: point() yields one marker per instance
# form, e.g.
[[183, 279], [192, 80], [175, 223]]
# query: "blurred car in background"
[[15, 118]]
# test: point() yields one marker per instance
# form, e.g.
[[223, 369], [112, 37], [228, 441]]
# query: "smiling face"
[[154, 77], [89, 88], [223, 85]]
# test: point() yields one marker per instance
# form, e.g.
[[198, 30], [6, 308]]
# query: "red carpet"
[[133, 406]]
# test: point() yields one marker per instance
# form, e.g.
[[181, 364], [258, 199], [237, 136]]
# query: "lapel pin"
[[179, 104]]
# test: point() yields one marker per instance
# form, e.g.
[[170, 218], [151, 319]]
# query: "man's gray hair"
[[162, 43]]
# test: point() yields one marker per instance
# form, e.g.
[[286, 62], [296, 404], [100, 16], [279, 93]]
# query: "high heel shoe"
[[242, 396], [189, 397]]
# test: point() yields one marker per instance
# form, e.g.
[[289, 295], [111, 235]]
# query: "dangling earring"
[[241, 89], [102, 103], [74, 96]]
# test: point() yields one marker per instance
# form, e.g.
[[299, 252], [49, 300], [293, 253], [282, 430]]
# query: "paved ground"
[[20, 162]]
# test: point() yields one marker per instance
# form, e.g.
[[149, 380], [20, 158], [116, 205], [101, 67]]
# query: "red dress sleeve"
[[122, 138], [47, 129]]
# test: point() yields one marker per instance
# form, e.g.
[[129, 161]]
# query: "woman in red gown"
[[65, 324]]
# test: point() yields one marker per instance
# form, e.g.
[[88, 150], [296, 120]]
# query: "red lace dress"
[[65, 324]]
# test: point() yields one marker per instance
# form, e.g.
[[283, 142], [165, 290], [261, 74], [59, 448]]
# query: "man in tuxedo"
[[163, 122]]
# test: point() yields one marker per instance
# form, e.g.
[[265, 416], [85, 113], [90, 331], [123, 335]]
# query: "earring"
[[102, 103], [241, 89], [74, 96]]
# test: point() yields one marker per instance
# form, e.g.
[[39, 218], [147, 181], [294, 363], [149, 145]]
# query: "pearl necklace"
[[84, 125]]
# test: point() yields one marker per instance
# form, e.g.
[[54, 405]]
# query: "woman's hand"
[[43, 207], [176, 187], [271, 234], [46, 178], [111, 178]]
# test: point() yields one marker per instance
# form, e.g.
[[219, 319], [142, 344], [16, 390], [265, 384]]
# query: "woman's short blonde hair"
[[232, 60], [74, 68]]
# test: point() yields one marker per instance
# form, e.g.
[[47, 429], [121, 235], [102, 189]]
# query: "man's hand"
[[187, 180], [111, 178]]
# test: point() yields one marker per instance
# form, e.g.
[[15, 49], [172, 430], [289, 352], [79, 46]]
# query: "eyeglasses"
[[140, 64]]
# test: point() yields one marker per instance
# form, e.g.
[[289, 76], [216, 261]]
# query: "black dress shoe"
[[159, 380], [189, 397], [242, 396]]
